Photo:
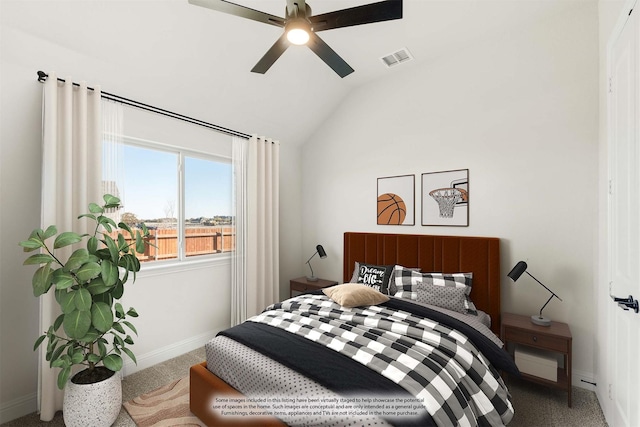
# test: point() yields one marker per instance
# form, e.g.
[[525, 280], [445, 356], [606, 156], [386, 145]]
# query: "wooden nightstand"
[[518, 330], [301, 284]]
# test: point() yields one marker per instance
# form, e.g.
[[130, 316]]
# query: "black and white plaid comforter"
[[435, 363]]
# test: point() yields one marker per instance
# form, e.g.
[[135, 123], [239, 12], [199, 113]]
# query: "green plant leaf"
[[56, 354], [31, 244], [130, 326], [92, 244], [38, 259], [113, 248], [62, 279], [128, 340], [41, 280], [77, 323], [65, 239], [63, 377], [111, 200], [95, 208], [117, 291], [39, 341], [118, 340], [88, 271], [91, 216], [49, 232], [102, 348], [77, 357], [113, 362], [90, 336], [53, 342], [105, 298], [97, 286], [123, 246], [118, 327], [109, 273], [139, 242], [125, 227], [130, 354], [76, 259], [107, 223], [103, 253], [67, 302], [119, 310], [132, 312], [58, 363], [83, 300], [101, 316], [93, 358], [58, 322]]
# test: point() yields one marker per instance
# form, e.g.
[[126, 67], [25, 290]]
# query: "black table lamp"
[[514, 274], [320, 251]]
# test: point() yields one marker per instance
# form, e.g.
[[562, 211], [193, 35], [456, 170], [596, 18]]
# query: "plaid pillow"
[[407, 282]]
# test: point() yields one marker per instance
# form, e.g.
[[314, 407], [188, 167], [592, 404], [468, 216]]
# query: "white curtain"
[[71, 179], [255, 265]]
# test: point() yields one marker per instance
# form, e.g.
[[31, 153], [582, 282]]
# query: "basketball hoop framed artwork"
[[445, 198], [396, 200]]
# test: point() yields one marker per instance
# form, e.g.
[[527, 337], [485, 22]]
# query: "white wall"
[[178, 311], [521, 113]]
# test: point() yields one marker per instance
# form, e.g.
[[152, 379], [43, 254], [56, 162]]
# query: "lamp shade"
[[517, 271], [321, 251]]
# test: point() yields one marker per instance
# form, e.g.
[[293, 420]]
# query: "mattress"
[[258, 376]]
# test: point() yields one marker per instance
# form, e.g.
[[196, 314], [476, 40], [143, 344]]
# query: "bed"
[[299, 364]]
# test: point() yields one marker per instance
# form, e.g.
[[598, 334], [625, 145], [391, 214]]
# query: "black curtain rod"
[[42, 77]]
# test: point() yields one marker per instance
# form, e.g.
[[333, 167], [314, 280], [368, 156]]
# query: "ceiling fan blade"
[[329, 56], [241, 11], [365, 14], [272, 55]]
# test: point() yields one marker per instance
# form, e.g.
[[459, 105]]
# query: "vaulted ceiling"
[[197, 61]]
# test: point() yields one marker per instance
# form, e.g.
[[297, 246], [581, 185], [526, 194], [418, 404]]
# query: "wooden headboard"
[[444, 254]]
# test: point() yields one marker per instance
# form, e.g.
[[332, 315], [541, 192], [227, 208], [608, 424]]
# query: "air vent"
[[397, 58]]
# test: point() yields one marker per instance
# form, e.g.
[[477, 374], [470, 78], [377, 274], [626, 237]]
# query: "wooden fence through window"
[[198, 241]]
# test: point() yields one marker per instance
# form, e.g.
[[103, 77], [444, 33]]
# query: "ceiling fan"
[[300, 27]]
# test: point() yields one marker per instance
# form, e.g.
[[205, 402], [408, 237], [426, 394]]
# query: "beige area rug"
[[164, 406]]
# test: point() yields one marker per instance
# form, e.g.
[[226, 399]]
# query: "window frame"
[[181, 262]]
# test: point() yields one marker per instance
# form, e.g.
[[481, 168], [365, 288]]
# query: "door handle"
[[627, 303]]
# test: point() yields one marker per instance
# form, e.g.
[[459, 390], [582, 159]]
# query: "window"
[[183, 198]]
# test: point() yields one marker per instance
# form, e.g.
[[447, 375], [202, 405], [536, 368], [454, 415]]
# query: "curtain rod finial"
[[42, 76]]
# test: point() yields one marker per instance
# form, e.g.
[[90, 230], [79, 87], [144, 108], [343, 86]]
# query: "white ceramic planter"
[[95, 405]]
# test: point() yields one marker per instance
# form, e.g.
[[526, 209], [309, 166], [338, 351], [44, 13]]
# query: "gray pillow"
[[448, 297]]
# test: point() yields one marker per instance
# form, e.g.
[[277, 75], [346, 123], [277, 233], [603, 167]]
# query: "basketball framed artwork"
[[445, 198], [396, 200]]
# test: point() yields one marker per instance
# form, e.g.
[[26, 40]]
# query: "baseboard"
[[19, 407], [165, 353]]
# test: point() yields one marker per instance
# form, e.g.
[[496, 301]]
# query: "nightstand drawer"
[[537, 340], [302, 287]]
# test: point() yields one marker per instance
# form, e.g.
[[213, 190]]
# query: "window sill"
[[174, 266]]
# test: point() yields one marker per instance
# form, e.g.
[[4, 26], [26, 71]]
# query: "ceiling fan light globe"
[[298, 36]]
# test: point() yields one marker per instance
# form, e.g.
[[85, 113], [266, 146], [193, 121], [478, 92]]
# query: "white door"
[[624, 222]]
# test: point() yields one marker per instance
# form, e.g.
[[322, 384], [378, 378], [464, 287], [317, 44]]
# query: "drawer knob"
[[534, 338]]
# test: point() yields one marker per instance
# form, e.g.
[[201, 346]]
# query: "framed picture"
[[445, 198], [396, 200]]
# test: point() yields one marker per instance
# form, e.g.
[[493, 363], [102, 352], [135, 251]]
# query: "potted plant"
[[87, 286]]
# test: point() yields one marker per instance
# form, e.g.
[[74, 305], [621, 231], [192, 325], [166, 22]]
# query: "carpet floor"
[[535, 406]]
